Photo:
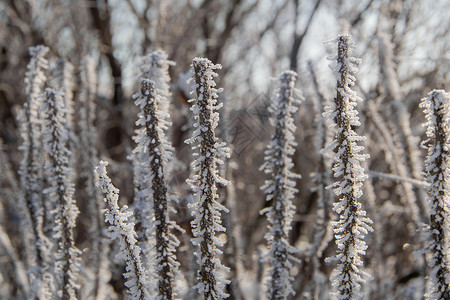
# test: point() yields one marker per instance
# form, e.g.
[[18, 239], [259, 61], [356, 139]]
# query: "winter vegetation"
[[233, 184], [353, 224], [206, 209], [151, 158], [280, 188], [437, 114], [122, 228], [61, 207]]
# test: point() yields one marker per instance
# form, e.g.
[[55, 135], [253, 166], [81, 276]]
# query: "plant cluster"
[[172, 245]]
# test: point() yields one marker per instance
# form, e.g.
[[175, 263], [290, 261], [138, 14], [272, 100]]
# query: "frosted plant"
[[156, 68], [206, 209], [30, 166], [30, 169], [436, 109], [89, 158], [154, 153], [62, 79], [280, 187], [122, 228], [353, 224], [60, 191]]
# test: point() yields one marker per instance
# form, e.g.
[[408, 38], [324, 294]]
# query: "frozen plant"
[[206, 209], [156, 68], [60, 192], [151, 157], [122, 228], [280, 187], [353, 224], [62, 79], [436, 109], [30, 168]]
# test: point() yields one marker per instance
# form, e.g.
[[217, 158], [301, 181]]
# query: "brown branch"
[[103, 25], [144, 24], [359, 16], [298, 38]]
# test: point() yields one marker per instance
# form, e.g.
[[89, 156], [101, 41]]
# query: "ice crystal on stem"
[[62, 79], [154, 153], [156, 68], [280, 188], [122, 228], [353, 224], [60, 191], [206, 209], [436, 109], [30, 170]]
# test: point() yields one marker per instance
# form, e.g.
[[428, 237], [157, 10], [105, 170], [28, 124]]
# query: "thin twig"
[[397, 178]]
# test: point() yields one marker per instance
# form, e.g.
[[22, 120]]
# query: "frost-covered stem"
[[31, 165], [280, 188], [89, 157], [122, 229], [436, 109], [156, 68], [152, 161], [63, 80], [352, 224], [60, 191], [153, 143], [206, 209]]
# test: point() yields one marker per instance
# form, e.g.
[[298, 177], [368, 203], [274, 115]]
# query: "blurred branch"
[[144, 23], [271, 24], [319, 93], [397, 178], [20, 16], [103, 26], [359, 16], [115, 135], [298, 38]]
